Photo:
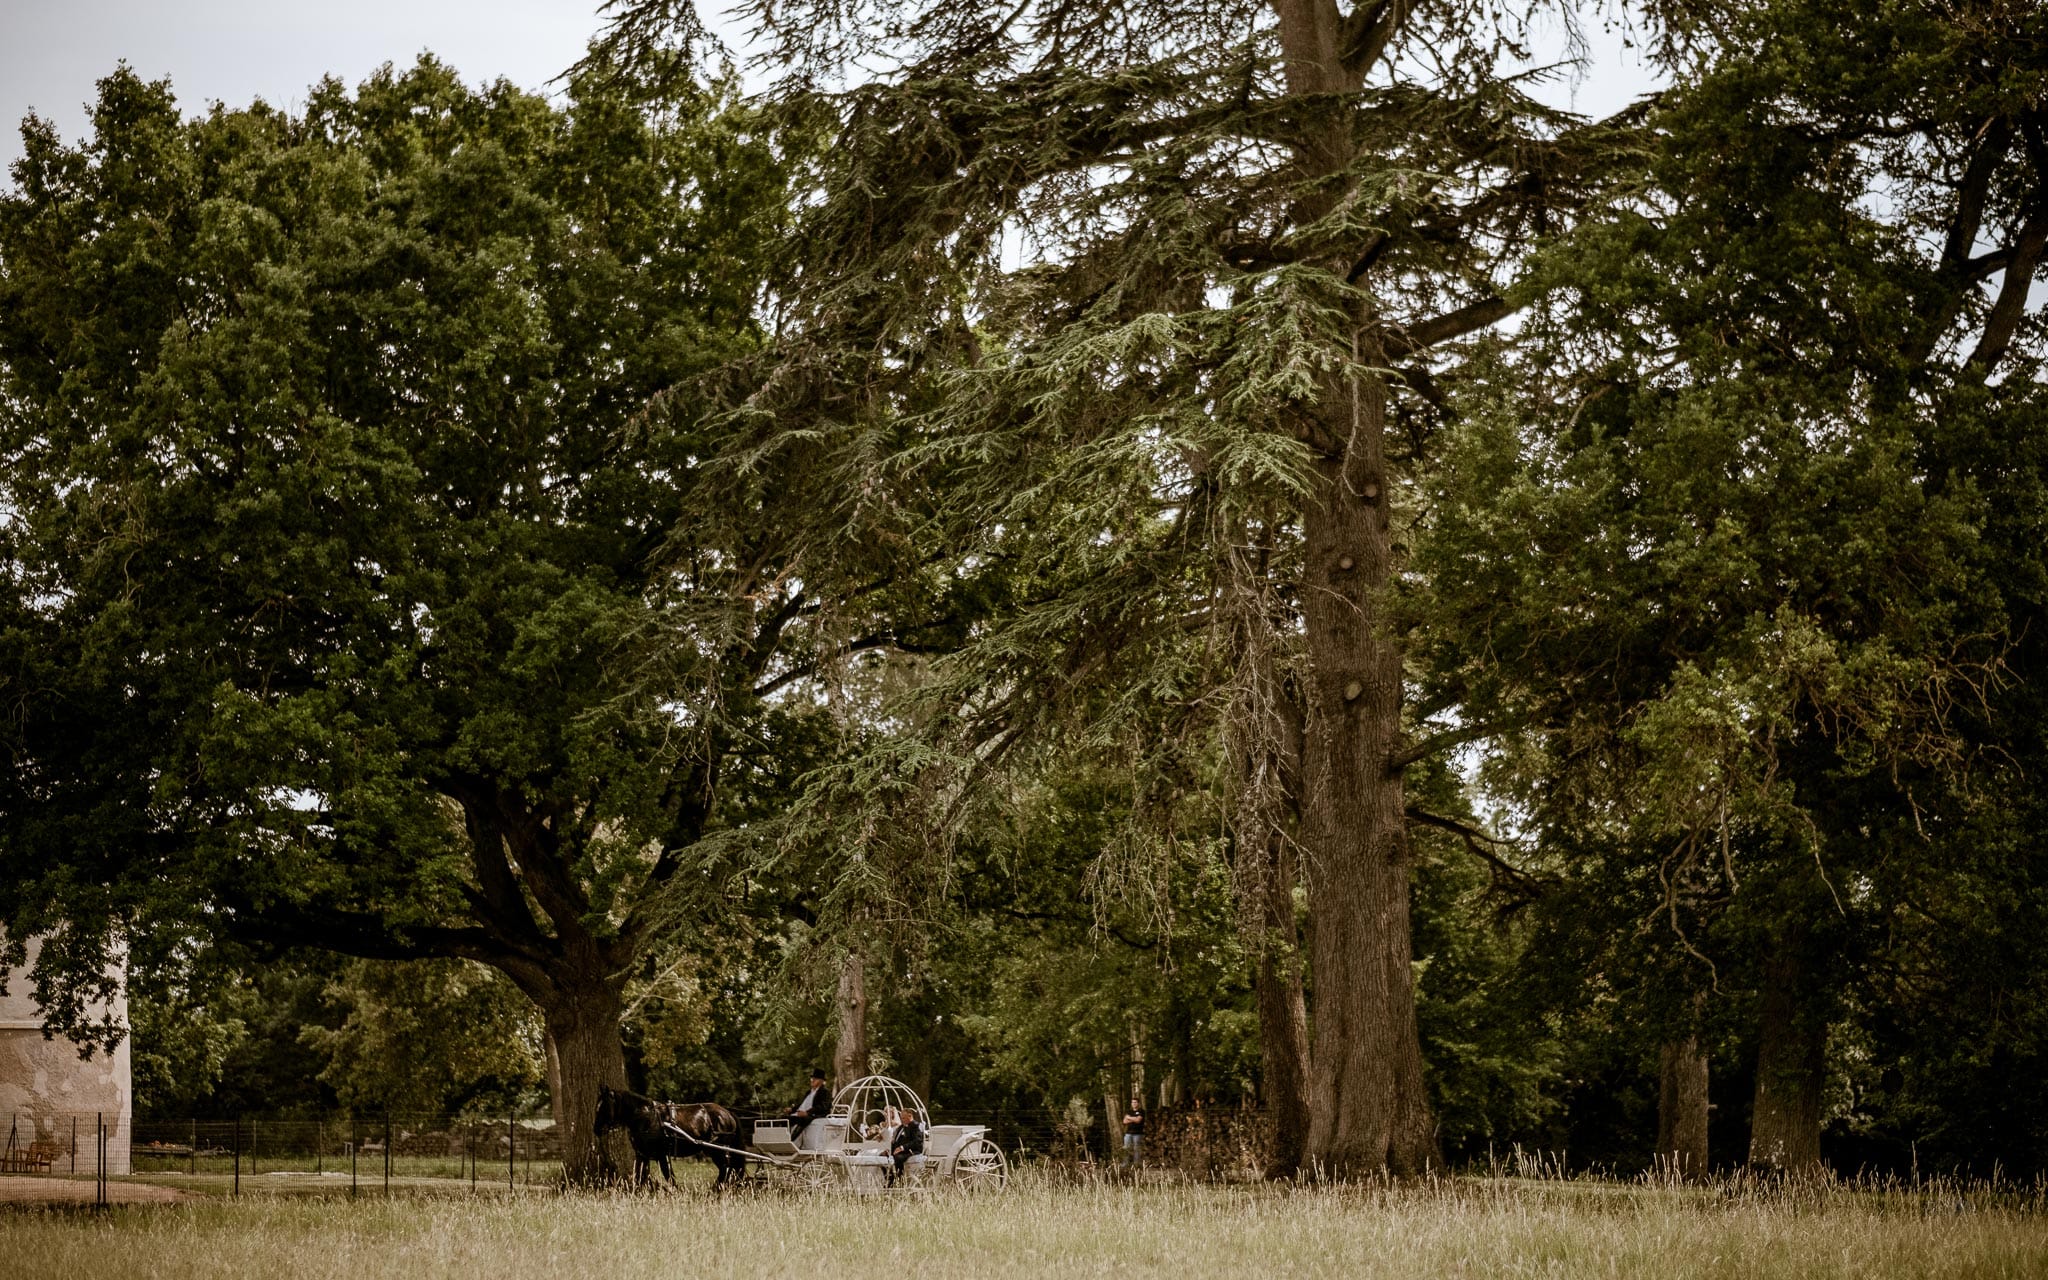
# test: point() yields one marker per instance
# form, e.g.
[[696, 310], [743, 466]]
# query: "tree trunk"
[[1266, 733], [554, 1068], [1136, 1092], [1682, 1107], [850, 1054], [585, 1052], [1791, 1065], [1368, 1108], [1283, 1009], [1283, 1057]]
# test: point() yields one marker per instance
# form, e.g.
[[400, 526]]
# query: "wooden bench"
[[36, 1157]]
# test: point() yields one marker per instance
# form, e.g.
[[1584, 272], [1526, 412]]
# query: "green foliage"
[[416, 548], [340, 542], [431, 1036], [179, 1051], [1712, 536]]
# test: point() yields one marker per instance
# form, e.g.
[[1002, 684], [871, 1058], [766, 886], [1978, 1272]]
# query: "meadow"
[[1454, 1227]]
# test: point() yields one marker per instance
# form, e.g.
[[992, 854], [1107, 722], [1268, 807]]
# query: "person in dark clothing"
[[817, 1101], [905, 1141], [1134, 1132]]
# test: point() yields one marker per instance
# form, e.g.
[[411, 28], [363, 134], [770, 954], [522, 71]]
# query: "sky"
[[52, 51]]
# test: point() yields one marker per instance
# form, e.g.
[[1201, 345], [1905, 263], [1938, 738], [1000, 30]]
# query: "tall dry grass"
[[1456, 1227]]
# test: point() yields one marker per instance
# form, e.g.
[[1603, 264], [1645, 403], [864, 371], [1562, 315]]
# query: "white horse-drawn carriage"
[[850, 1147]]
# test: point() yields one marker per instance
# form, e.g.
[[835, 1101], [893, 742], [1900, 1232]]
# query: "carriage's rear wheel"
[[980, 1166]]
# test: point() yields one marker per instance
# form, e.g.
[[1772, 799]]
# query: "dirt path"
[[15, 1190]]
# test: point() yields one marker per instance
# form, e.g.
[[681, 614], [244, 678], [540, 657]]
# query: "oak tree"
[[355, 599]]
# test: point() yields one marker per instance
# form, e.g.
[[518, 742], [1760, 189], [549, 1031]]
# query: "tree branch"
[[1528, 884], [369, 936], [2011, 306], [497, 899], [1994, 139], [804, 669], [538, 856], [1416, 752], [1455, 324], [1366, 32]]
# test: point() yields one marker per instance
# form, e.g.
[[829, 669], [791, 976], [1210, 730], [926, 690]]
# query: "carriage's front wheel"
[[980, 1166]]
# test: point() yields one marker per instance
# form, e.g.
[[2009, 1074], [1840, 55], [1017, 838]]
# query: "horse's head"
[[611, 1109]]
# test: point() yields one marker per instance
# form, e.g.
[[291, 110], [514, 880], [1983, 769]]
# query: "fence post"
[[355, 1140], [236, 1142], [471, 1126], [99, 1181], [74, 1144], [387, 1153], [192, 1149], [319, 1146], [252, 1145], [511, 1156]]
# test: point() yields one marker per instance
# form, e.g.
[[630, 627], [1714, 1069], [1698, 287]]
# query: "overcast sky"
[[52, 51]]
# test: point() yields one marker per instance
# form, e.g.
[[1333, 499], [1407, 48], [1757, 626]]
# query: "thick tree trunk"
[[850, 1054], [1791, 1065], [1369, 1109], [1682, 1107], [585, 1052]]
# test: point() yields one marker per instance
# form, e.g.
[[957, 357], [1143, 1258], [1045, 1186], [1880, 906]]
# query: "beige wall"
[[47, 1091]]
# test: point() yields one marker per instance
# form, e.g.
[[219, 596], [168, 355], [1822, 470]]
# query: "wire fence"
[[380, 1152]]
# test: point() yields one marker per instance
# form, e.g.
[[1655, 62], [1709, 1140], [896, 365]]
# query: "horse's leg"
[[642, 1175]]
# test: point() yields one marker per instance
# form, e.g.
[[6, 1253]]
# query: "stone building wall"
[[49, 1093]]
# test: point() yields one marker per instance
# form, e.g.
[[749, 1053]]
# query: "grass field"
[[1454, 1228]]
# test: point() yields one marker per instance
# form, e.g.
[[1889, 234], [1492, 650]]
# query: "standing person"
[[815, 1102], [905, 1141], [1134, 1132]]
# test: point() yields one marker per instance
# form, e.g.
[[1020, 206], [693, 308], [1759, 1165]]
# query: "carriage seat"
[[771, 1137]]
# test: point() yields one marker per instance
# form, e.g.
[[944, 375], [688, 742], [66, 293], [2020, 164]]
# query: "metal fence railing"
[[355, 1152]]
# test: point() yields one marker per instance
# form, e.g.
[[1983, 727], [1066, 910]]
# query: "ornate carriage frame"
[[850, 1147]]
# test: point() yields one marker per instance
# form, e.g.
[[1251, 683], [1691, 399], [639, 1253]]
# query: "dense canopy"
[[1227, 552]]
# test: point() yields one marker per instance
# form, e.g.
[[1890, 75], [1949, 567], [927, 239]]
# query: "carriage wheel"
[[980, 1166], [817, 1175]]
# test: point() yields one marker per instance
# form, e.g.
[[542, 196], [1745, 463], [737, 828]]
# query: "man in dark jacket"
[[906, 1141], [817, 1101]]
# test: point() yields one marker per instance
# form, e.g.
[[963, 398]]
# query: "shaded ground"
[[41, 1190]]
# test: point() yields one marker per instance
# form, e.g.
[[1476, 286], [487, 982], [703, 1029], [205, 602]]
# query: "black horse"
[[661, 1131]]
